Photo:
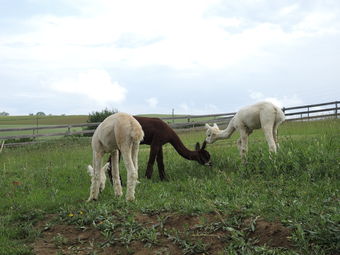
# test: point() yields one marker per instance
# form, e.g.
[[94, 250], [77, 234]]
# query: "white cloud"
[[191, 108], [252, 44], [179, 34], [152, 102], [289, 9], [95, 84], [256, 95], [318, 24], [184, 108], [284, 101]]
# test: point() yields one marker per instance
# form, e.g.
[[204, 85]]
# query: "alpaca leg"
[[267, 120], [153, 152], [132, 174], [268, 132], [102, 179], [95, 180], [115, 173], [160, 164], [135, 150], [239, 144], [275, 134], [243, 147], [109, 169]]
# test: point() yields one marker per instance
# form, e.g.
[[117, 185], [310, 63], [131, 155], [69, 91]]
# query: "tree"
[[41, 114], [99, 117], [4, 113]]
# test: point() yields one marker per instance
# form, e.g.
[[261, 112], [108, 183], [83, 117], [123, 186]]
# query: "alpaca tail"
[[280, 116]]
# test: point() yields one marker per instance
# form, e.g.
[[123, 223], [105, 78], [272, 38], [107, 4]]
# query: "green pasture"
[[72, 119], [46, 121], [44, 186], [42, 120]]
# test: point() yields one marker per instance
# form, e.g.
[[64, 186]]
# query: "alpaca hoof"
[[130, 199], [119, 194], [91, 199]]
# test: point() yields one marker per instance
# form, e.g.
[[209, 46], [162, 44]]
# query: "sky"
[[155, 56]]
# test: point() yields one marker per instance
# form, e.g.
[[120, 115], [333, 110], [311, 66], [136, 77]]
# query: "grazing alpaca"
[[102, 176], [263, 115], [156, 134], [118, 132]]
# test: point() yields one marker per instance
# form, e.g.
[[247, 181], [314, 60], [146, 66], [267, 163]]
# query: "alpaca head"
[[203, 155], [212, 133]]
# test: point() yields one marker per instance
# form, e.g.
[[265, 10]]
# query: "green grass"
[[40, 131], [298, 187], [42, 120]]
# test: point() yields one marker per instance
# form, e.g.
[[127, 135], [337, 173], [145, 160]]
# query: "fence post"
[[173, 115], [336, 109], [37, 125], [308, 113]]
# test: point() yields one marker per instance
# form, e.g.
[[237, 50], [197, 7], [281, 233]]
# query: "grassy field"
[[42, 120], [60, 120], [287, 204], [34, 121]]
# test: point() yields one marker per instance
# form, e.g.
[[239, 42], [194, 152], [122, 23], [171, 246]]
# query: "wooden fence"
[[297, 113]]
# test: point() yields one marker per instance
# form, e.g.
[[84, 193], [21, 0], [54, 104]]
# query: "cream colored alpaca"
[[122, 132], [263, 115], [102, 176]]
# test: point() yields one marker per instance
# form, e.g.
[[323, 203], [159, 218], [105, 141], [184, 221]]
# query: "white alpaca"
[[122, 132], [102, 176], [263, 115]]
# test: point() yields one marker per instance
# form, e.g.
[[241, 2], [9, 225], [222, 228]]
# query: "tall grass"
[[298, 187]]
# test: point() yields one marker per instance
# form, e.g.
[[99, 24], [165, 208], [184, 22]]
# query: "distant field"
[[29, 121], [42, 120], [30, 132], [45, 121]]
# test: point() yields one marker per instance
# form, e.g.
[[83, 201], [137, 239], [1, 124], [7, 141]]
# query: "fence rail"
[[309, 112]]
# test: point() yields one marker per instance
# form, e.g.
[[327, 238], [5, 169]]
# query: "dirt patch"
[[273, 234], [173, 234]]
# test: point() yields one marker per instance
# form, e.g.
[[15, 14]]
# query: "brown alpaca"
[[156, 134]]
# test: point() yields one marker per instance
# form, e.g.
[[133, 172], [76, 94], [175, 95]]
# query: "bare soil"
[[71, 239]]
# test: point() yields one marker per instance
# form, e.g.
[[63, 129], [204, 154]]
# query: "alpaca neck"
[[226, 133], [181, 149]]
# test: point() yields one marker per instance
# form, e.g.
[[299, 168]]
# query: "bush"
[[98, 117]]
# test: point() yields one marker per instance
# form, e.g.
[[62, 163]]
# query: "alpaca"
[[263, 115], [156, 134], [102, 176], [118, 132]]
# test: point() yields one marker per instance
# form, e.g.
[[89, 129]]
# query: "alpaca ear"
[[215, 125], [204, 144], [207, 126], [106, 166], [197, 146], [90, 170]]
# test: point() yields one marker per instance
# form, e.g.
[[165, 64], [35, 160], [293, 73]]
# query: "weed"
[[59, 240]]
